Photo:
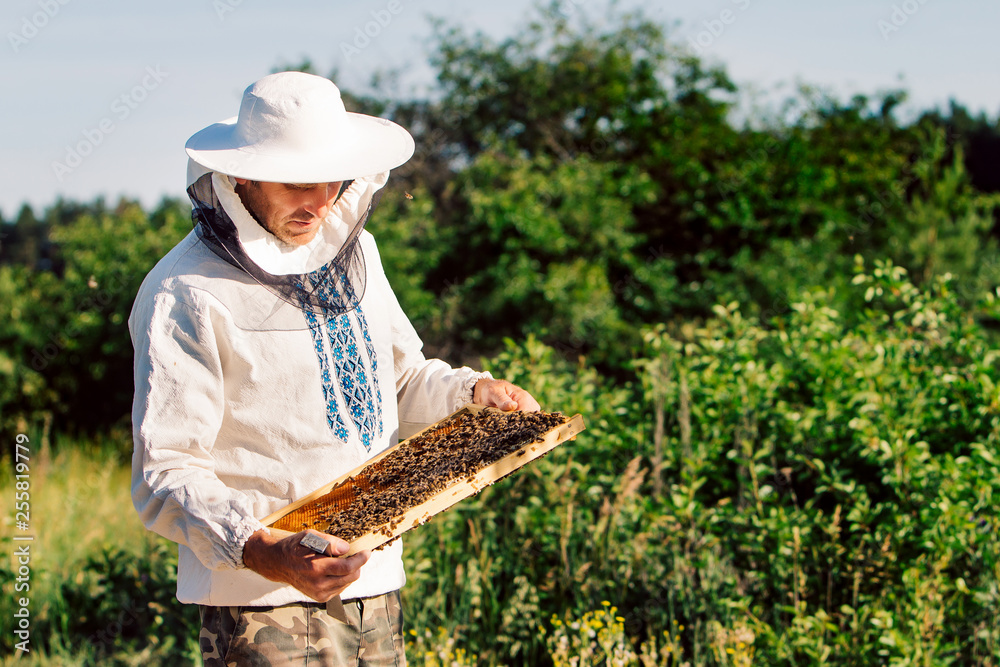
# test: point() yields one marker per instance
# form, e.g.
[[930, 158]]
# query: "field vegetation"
[[781, 332]]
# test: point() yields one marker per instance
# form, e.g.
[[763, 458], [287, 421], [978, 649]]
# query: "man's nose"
[[317, 201]]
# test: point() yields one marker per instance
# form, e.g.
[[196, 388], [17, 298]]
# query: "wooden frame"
[[458, 489]]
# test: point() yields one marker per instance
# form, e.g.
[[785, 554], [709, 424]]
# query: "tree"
[[66, 349]]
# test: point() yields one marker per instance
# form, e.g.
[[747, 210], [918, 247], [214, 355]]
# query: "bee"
[[408, 195]]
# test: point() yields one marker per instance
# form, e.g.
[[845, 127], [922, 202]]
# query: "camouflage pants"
[[296, 635]]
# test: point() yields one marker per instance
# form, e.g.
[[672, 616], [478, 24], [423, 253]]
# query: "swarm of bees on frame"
[[377, 498]]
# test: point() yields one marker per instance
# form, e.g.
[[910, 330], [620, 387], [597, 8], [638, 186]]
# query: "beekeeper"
[[271, 356]]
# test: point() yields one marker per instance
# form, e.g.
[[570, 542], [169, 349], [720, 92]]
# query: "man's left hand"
[[504, 395]]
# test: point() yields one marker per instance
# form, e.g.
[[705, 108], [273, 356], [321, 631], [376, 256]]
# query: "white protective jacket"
[[232, 424]]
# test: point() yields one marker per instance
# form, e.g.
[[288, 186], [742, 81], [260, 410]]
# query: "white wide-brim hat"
[[293, 128]]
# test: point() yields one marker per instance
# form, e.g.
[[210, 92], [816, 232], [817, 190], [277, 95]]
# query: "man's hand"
[[504, 395], [279, 557]]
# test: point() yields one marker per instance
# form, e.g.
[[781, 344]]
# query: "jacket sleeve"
[[176, 416]]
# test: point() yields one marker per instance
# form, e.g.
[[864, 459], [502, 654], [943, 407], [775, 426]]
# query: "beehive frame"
[[304, 510]]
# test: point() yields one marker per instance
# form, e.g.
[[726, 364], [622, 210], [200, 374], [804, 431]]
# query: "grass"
[[80, 509]]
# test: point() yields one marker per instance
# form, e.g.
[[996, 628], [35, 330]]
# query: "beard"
[[257, 204]]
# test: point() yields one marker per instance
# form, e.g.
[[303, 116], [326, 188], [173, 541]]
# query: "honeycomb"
[[428, 472]]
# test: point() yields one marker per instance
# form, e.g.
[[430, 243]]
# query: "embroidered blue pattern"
[[370, 349], [361, 393], [333, 418]]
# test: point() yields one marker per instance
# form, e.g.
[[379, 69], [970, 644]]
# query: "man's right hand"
[[278, 556]]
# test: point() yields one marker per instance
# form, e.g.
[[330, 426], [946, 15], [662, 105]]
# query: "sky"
[[99, 98]]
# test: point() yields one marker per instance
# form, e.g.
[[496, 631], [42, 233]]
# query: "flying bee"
[[408, 195]]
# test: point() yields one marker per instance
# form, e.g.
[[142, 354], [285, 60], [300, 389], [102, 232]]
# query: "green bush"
[[118, 609], [815, 489], [120, 602], [822, 491]]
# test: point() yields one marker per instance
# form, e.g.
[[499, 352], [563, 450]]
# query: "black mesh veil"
[[333, 289]]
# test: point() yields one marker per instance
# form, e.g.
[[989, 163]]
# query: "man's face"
[[292, 212]]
